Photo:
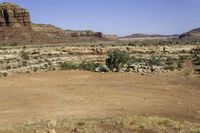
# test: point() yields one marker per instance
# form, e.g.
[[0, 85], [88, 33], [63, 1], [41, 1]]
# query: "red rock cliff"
[[12, 15]]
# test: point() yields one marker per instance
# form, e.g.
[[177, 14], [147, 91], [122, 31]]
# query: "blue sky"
[[121, 17]]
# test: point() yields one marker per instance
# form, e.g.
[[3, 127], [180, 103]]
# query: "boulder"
[[102, 68], [135, 67]]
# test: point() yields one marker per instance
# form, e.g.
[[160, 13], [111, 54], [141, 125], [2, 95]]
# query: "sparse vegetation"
[[154, 61], [181, 59], [8, 67], [14, 44], [147, 89], [170, 64], [169, 61], [25, 55], [134, 124], [142, 60], [35, 69], [69, 66], [169, 67], [144, 57], [24, 63], [86, 66], [89, 66], [116, 59], [196, 59]]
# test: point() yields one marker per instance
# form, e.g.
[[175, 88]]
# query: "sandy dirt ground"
[[68, 94]]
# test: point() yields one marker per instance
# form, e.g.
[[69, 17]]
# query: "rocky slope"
[[191, 35], [58, 34], [16, 27]]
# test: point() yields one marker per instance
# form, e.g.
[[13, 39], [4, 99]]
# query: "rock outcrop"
[[15, 25], [11, 15]]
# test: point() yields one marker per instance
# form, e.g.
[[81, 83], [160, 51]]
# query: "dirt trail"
[[64, 94]]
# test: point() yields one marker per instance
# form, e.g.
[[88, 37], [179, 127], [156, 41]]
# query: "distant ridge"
[[191, 35], [149, 35]]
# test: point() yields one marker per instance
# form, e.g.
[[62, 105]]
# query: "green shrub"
[[69, 66], [35, 69], [183, 51], [116, 59], [171, 64], [153, 61], [169, 61], [89, 66], [170, 67], [183, 57], [132, 60], [25, 55], [14, 44], [181, 60], [131, 44], [196, 59]]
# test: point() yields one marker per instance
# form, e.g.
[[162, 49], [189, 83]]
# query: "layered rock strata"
[[12, 15]]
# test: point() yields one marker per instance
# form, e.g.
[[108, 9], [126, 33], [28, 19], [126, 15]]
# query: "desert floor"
[[78, 94]]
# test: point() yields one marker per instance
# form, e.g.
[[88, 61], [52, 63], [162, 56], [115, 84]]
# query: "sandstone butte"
[[12, 15]]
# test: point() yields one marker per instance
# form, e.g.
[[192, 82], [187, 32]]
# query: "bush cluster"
[[153, 61], [89, 66], [196, 59], [25, 55], [116, 59], [69, 66], [86, 66]]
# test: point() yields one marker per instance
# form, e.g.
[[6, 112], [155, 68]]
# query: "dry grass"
[[106, 125]]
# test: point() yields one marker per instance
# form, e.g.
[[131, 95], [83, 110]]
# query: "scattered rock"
[[51, 131], [51, 123], [99, 51], [134, 67], [102, 68], [4, 74]]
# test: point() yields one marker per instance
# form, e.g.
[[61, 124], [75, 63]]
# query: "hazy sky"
[[119, 17]]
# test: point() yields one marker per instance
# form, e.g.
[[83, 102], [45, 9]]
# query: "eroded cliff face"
[[11, 15], [16, 27]]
